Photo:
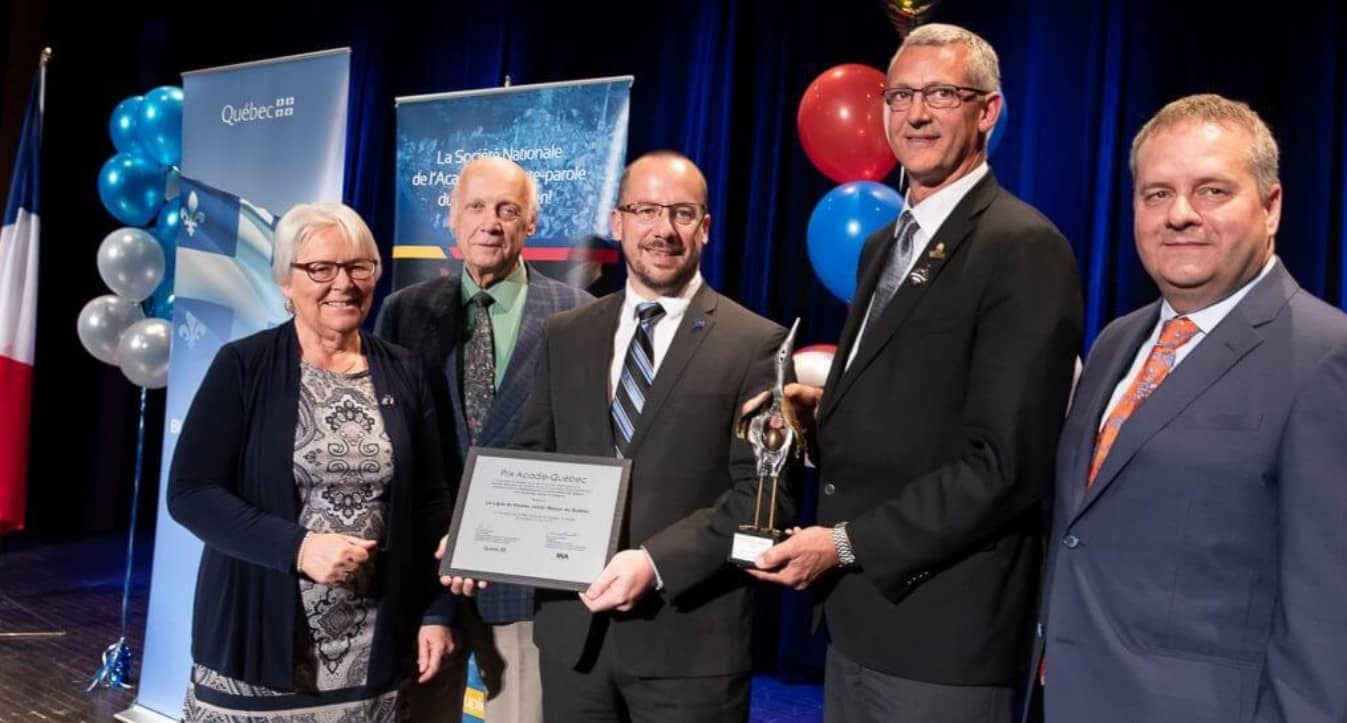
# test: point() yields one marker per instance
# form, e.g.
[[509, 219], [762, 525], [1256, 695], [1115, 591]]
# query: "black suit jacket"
[[937, 443], [232, 483], [691, 484]]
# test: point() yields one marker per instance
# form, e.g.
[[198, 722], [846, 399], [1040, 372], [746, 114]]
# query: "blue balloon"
[[159, 127], [131, 188], [167, 224], [999, 130], [122, 125], [160, 307], [838, 227], [160, 303]]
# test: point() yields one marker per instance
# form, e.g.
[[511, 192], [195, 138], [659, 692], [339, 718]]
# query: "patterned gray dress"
[[343, 464]]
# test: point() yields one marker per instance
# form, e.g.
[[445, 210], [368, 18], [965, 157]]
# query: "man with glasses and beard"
[[655, 374]]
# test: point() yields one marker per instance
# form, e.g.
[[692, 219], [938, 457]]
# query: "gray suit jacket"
[[427, 318], [1203, 577]]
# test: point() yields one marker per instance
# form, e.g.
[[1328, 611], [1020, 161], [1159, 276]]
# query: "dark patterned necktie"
[[479, 366], [638, 372], [900, 255]]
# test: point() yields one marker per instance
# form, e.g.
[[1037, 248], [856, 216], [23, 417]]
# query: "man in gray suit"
[[1198, 569], [481, 328]]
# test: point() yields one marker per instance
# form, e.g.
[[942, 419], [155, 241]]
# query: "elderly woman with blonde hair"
[[309, 466]]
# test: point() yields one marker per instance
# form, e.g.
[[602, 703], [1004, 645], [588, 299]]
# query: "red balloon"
[[841, 124]]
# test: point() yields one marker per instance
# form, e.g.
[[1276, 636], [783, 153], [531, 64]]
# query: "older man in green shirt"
[[481, 328]]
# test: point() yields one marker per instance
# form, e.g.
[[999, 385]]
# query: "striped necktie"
[[638, 372]]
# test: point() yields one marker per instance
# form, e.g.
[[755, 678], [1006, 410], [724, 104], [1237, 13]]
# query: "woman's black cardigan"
[[232, 484]]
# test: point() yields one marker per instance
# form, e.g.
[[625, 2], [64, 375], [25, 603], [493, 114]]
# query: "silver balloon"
[[131, 262], [101, 323], [143, 353]]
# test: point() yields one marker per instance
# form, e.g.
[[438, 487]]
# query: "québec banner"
[[257, 138]]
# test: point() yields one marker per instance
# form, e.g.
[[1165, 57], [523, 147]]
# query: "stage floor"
[[75, 587]]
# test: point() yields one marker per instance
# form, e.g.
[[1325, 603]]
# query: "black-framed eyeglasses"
[[681, 214], [324, 271], [934, 96]]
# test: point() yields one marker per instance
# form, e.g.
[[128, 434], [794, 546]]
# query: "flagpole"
[[42, 78], [43, 59]]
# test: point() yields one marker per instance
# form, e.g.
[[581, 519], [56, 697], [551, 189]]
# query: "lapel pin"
[[387, 401], [918, 276], [939, 251], [698, 324]]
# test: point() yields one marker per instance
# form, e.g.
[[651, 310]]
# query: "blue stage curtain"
[[720, 81]]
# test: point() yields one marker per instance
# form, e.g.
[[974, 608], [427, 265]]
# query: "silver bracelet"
[[846, 557]]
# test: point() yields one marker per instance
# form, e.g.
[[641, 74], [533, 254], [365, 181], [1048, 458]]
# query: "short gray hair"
[[299, 224], [530, 183], [984, 69], [1264, 157]]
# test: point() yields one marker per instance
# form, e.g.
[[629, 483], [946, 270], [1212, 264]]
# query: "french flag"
[[18, 312]]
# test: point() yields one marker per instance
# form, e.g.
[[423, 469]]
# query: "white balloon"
[[813, 362], [131, 262], [101, 323], [143, 353]]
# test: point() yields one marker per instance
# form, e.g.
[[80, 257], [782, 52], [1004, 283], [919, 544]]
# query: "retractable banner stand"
[[257, 138], [571, 136]]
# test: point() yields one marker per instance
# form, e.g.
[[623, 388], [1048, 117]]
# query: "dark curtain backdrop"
[[719, 81]]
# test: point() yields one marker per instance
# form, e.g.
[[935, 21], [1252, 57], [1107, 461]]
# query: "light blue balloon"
[[131, 188], [839, 226], [122, 125], [165, 229], [159, 127]]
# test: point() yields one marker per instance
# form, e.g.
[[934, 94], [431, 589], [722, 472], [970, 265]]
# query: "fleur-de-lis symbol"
[[192, 330], [190, 217]]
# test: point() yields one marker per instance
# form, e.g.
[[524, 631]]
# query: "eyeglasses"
[[934, 96], [681, 214], [505, 210], [324, 271]]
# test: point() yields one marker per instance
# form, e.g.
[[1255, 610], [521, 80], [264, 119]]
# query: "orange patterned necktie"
[[1175, 333]]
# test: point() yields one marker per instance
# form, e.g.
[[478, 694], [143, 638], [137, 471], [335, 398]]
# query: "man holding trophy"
[[935, 434]]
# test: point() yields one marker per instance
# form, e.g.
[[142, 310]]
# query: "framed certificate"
[[536, 518]]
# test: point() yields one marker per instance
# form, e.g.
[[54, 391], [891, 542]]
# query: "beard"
[[665, 281]]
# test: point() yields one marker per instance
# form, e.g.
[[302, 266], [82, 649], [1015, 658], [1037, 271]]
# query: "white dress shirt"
[[930, 215], [674, 309], [1205, 319]]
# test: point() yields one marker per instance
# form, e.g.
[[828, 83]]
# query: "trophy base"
[[750, 542]]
